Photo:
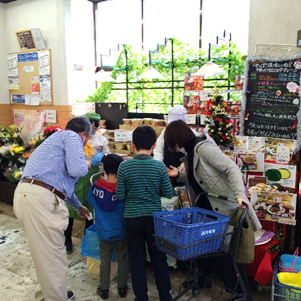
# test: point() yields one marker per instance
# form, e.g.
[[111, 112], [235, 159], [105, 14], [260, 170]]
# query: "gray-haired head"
[[79, 124]]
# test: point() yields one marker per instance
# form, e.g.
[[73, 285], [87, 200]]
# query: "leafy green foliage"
[[156, 96]]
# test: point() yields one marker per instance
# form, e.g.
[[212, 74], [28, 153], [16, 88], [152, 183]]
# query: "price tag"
[[203, 118], [190, 118], [123, 136], [283, 154]]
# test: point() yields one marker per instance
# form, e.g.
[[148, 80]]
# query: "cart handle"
[[217, 196], [95, 174]]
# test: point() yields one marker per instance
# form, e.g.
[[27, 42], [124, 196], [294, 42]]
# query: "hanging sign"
[[271, 99]]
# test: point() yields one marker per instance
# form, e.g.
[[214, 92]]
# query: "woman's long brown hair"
[[177, 133]]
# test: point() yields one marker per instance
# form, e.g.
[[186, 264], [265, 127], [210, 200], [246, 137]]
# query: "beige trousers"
[[44, 217]]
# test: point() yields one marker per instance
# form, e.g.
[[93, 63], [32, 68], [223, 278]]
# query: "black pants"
[[140, 232], [68, 231]]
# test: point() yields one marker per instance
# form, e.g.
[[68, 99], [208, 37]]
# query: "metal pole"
[[172, 74], [127, 75], [95, 11]]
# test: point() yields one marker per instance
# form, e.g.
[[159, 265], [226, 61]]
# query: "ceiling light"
[[150, 73], [209, 69], [103, 77]]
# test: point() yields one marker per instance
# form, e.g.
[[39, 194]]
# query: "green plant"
[[279, 236], [142, 96]]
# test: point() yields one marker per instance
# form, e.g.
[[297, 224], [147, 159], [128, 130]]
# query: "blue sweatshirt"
[[109, 212]]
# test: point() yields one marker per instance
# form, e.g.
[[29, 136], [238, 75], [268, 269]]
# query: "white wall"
[[55, 19], [274, 22], [3, 60]]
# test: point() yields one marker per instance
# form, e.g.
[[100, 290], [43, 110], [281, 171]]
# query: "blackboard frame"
[[254, 107]]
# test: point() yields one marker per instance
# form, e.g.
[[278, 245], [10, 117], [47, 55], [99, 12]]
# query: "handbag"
[[290, 263], [246, 247]]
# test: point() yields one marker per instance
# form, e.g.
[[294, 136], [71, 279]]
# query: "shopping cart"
[[195, 233], [280, 291]]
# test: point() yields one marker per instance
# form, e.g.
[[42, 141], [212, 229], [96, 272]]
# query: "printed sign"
[[123, 136], [275, 206], [272, 98], [18, 99]]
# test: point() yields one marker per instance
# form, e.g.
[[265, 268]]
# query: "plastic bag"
[[90, 244]]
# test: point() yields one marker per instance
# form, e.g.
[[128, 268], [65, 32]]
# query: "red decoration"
[[208, 114], [209, 104], [218, 119], [293, 127]]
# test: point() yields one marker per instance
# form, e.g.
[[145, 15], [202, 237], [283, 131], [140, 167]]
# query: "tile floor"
[[18, 281]]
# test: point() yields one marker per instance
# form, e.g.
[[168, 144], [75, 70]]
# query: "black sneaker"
[[123, 291], [70, 295], [69, 247], [104, 294]]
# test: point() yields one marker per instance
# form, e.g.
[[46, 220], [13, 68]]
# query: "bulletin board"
[[271, 98], [30, 77]]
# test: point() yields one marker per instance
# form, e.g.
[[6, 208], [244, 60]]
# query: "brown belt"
[[42, 184]]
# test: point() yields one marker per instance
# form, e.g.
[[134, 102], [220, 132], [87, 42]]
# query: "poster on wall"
[[31, 122], [271, 98], [25, 39]]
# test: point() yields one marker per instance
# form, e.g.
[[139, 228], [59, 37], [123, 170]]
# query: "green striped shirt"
[[141, 182]]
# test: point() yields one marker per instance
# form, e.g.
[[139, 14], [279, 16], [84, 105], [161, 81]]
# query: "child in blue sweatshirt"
[[110, 227]]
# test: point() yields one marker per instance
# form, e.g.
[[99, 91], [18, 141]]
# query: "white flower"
[[297, 65], [292, 87]]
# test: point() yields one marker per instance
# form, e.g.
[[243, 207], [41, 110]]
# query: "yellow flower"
[[15, 135], [19, 150], [18, 174]]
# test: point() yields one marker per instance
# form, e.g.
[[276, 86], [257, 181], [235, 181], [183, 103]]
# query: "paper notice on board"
[[45, 88], [18, 98], [13, 83], [51, 116], [27, 99], [28, 69], [44, 58], [13, 72], [45, 71], [12, 61], [43, 61], [35, 100], [35, 85]]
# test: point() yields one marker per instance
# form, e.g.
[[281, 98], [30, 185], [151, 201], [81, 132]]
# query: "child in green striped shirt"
[[141, 182]]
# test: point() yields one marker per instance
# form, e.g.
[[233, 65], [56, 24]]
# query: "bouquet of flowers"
[[13, 174], [10, 135], [13, 153], [51, 130]]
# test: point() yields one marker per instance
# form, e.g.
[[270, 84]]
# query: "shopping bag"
[[90, 244], [246, 247], [290, 263]]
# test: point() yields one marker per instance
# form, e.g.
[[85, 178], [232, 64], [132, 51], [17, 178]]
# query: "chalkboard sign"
[[271, 98]]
